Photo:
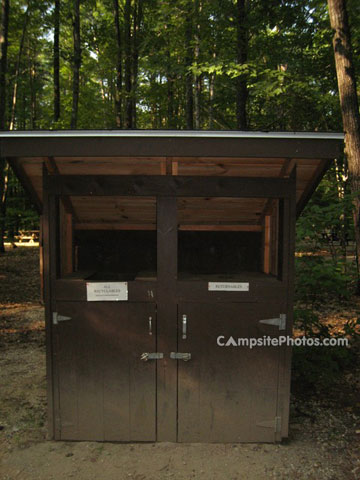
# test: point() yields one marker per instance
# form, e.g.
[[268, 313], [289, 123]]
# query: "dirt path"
[[324, 442]]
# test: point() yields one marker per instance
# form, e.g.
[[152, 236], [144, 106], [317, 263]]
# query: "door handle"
[[184, 327], [151, 356], [150, 325], [180, 356]]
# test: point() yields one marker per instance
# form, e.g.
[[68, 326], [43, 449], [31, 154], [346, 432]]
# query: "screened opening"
[[227, 237], [219, 253], [108, 238], [116, 255]]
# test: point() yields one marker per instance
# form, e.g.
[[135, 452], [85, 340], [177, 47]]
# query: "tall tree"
[[348, 102], [4, 166], [17, 69], [119, 54], [128, 66], [76, 64], [4, 43], [138, 17], [197, 79], [57, 61], [189, 109], [242, 47]]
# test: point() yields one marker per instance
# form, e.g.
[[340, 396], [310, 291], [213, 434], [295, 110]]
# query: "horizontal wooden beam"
[[93, 146], [114, 226], [221, 228], [194, 227], [158, 185]]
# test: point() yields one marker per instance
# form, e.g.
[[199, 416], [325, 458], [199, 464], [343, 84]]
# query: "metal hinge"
[[151, 356], [180, 356], [275, 424], [59, 318], [280, 321]]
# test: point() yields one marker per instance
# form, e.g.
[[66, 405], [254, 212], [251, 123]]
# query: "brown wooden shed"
[[161, 249]]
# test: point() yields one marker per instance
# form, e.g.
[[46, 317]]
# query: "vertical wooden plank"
[[163, 166], [274, 242], [89, 331], [54, 271], [166, 318], [288, 278], [67, 343], [49, 250], [142, 375], [41, 259], [69, 244], [266, 246], [66, 240], [169, 166]]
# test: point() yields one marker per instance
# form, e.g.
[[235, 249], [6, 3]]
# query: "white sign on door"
[[107, 292], [228, 287]]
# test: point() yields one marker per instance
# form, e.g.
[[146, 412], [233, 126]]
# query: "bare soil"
[[324, 441]]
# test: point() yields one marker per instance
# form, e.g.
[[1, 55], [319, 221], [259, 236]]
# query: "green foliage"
[[316, 367], [319, 279], [289, 71], [20, 214], [325, 277]]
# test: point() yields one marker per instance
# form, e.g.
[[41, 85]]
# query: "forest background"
[[190, 64]]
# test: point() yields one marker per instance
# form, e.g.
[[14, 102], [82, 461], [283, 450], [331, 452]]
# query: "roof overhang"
[[221, 153]]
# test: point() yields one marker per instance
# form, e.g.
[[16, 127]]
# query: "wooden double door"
[[171, 363], [226, 391]]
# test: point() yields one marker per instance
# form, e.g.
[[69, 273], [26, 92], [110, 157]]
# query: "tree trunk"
[[4, 181], [76, 65], [128, 73], [17, 69], [197, 78], [241, 85], [32, 72], [212, 94], [138, 15], [189, 109], [57, 61], [348, 102], [119, 54], [4, 42], [170, 98], [4, 166]]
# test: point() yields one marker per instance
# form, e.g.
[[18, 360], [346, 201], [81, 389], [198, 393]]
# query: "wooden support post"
[[274, 238], [41, 259], [49, 238], [167, 318], [287, 218], [66, 241], [267, 246], [169, 166]]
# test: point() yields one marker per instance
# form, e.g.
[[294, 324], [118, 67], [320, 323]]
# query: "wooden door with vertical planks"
[[106, 392]]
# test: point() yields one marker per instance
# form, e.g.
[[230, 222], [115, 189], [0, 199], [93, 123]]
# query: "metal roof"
[[172, 133]]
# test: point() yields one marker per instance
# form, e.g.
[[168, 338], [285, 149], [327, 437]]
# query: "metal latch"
[[180, 356], [59, 318], [151, 356], [184, 326], [278, 322]]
